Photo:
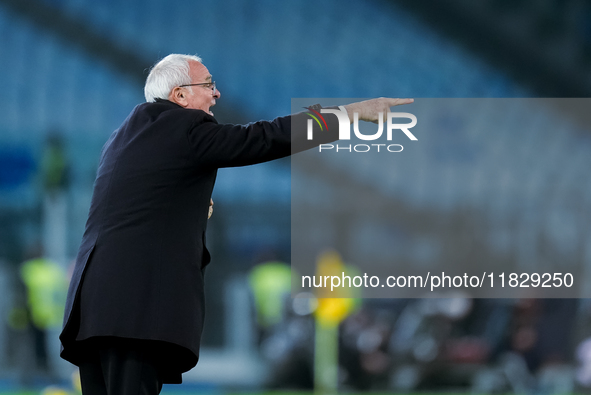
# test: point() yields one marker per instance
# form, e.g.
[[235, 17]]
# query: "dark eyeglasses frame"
[[212, 85]]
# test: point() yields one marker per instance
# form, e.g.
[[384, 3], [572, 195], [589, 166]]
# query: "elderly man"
[[135, 307]]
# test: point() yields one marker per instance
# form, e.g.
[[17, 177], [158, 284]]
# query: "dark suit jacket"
[[140, 267]]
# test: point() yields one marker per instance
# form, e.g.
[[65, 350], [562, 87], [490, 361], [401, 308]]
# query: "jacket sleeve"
[[225, 145]]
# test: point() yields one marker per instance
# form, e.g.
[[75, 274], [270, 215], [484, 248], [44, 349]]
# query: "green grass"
[[260, 393]]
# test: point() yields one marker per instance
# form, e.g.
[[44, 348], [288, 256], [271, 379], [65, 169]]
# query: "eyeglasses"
[[203, 84]]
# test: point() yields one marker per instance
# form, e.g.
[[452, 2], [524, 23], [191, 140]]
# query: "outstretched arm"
[[368, 110]]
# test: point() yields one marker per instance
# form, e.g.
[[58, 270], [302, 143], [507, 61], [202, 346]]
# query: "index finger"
[[396, 102]]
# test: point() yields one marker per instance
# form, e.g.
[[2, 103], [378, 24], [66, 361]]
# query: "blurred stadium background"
[[72, 70]]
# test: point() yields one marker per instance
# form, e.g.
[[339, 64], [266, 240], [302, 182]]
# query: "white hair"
[[167, 74]]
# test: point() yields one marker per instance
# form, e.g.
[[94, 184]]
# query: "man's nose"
[[216, 93]]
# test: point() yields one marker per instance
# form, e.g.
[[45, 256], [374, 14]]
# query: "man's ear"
[[179, 96]]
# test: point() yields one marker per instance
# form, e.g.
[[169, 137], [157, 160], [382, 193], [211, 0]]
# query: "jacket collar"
[[165, 101]]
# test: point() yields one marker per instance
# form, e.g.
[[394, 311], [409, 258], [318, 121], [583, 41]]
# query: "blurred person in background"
[[285, 333], [270, 283], [55, 171], [45, 286], [135, 308], [541, 337]]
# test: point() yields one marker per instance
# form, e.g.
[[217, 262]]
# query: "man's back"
[[144, 239]]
